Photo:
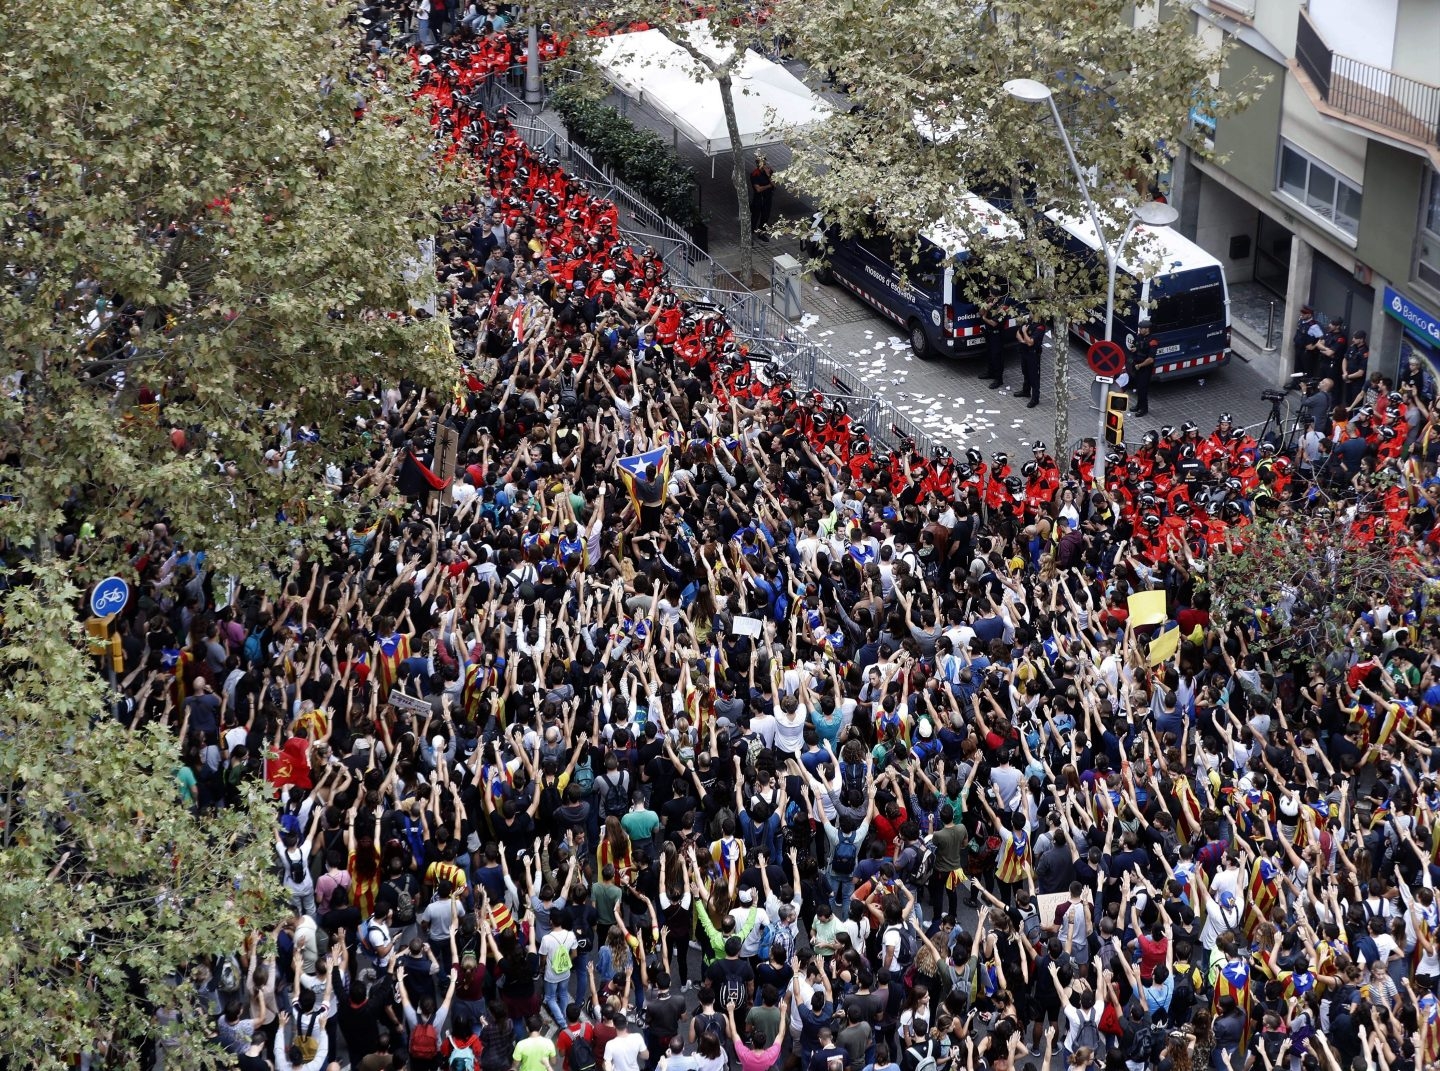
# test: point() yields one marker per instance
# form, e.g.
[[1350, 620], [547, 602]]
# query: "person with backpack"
[[1142, 1039], [612, 789], [558, 950], [376, 939], [294, 853], [425, 1025], [292, 1056], [844, 843], [576, 1043], [1189, 985], [463, 1050], [898, 940], [1082, 1018]]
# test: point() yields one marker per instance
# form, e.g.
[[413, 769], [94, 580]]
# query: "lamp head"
[[1027, 89], [1156, 214]]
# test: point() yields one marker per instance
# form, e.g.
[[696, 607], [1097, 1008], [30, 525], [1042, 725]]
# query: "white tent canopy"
[[654, 70]]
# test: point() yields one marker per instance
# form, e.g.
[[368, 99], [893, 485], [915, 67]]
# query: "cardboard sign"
[[1147, 608], [400, 701], [1164, 646]]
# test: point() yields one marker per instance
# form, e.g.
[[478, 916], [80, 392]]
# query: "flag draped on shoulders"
[[1430, 1027], [1264, 893], [1233, 980], [390, 652], [632, 471], [479, 679]]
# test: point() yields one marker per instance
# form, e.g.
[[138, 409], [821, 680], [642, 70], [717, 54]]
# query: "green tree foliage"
[[929, 118], [1299, 578], [108, 887], [202, 167], [639, 157], [190, 206]]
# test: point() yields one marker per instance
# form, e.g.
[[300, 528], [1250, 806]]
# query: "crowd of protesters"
[[688, 726]]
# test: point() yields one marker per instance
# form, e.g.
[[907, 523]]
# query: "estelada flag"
[[1264, 893], [1190, 809], [1233, 980], [1430, 1026], [390, 652], [633, 468]]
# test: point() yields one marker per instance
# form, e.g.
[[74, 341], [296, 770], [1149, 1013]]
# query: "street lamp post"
[[1150, 213]]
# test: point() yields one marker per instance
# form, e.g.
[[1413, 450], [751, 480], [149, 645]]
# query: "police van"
[[921, 289], [1181, 292]]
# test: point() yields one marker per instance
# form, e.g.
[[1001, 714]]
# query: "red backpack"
[[424, 1042]]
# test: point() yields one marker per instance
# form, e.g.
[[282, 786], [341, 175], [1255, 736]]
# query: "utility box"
[[785, 273]]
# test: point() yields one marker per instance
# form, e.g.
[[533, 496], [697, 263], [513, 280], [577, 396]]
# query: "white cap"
[[607, 276]]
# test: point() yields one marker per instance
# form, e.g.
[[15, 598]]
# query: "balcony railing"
[[1367, 93]]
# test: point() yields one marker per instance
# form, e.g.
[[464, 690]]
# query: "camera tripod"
[[1285, 440]]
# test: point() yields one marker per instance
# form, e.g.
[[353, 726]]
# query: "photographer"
[[1317, 404]]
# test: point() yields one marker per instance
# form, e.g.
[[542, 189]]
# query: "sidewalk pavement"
[[948, 397]]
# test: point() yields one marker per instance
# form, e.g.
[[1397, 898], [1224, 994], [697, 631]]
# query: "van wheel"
[[823, 275], [919, 343]]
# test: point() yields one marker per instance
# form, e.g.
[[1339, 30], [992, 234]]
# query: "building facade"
[[1326, 191]]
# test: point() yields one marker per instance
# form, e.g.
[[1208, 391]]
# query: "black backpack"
[[582, 1053], [1147, 1044], [1090, 1037], [925, 864], [617, 793], [1184, 997], [905, 954], [298, 870]]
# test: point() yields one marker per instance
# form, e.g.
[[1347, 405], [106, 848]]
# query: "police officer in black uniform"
[[1031, 337], [992, 316], [1142, 367]]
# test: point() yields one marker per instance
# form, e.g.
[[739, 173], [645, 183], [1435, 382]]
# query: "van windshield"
[[1187, 299]]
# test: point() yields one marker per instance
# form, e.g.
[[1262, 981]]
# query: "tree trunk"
[[1061, 388], [738, 177]]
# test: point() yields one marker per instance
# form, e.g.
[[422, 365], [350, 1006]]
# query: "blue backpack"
[[250, 653], [846, 851], [767, 939]]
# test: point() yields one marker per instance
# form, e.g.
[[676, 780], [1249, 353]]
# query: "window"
[[878, 245], [1319, 190], [1428, 267], [1190, 299]]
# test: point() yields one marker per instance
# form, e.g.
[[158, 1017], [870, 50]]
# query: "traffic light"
[[1116, 402]]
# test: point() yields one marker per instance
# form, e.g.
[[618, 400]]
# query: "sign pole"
[[1106, 360]]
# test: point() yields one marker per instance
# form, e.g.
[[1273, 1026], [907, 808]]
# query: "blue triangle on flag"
[[636, 464]]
